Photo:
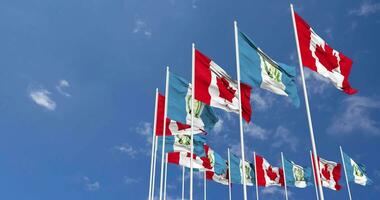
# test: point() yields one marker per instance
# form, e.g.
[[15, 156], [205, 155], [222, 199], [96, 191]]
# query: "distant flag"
[[172, 127], [179, 107], [330, 173], [317, 55], [183, 159], [258, 69], [181, 143], [267, 175], [356, 172], [214, 87], [236, 167], [296, 175], [222, 179]]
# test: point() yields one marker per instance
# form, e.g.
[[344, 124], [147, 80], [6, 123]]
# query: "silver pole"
[[153, 142], [229, 175], [283, 169], [314, 175], [345, 172]]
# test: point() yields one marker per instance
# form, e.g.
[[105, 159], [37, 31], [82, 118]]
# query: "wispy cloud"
[[142, 27], [355, 115], [130, 180], [262, 100], [62, 85], [275, 191], [366, 8], [145, 129], [194, 4], [41, 97], [256, 131], [316, 83], [91, 185], [218, 126], [283, 137], [127, 149]]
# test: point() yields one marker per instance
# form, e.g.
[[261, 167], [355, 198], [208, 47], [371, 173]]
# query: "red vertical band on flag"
[[336, 175], [173, 157], [160, 115], [260, 171], [202, 78], [246, 101]]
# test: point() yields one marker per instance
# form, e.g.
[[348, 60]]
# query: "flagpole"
[[314, 175], [192, 119], [229, 175], [257, 184], [183, 182], [164, 131], [204, 186], [154, 166], [345, 172], [166, 174], [153, 141], [283, 169], [307, 106], [240, 110]]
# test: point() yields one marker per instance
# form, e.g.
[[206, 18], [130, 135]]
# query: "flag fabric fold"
[[356, 172], [318, 56], [330, 173], [236, 167], [184, 159], [267, 175], [181, 143], [258, 69], [179, 106], [214, 87], [296, 175], [222, 178], [213, 161]]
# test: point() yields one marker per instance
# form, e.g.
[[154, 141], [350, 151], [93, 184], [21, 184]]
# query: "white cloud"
[[283, 137], [256, 131], [127, 149], [275, 190], [145, 129], [355, 115], [62, 84], [129, 180], [262, 100], [366, 8], [91, 185], [142, 27], [315, 83], [41, 97]]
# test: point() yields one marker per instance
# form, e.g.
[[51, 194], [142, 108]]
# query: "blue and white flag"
[[179, 106], [296, 175], [355, 172], [258, 69], [236, 167], [181, 143]]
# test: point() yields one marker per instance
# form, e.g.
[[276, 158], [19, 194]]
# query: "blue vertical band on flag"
[[296, 175], [356, 172]]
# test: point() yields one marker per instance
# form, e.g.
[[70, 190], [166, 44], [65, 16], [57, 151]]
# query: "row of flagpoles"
[[185, 110]]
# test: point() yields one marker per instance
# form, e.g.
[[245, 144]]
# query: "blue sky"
[[78, 78]]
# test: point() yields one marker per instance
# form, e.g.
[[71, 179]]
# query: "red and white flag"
[[267, 175], [214, 87], [172, 127], [183, 159], [330, 173], [222, 179], [320, 57]]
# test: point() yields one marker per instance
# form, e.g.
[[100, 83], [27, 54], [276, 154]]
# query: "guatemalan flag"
[[213, 161], [214, 87], [320, 57], [222, 179], [355, 172], [236, 167], [267, 175], [296, 175], [330, 173], [179, 106], [258, 69], [181, 143], [172, 127]]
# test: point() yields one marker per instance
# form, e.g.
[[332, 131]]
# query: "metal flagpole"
[[192, 119], [183, 182], [307, 105], [164, 131], [154, 166], [229, 175], [166, 174], [345, 172], [153, 141], [314, 175], [283, 169], [204, 186], [240, 110], [257, 184]]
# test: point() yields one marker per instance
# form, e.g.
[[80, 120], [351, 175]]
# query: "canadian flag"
[[172, 127], [183, 159], [330, 173], [267, 175], [214, 87], [320, 57]]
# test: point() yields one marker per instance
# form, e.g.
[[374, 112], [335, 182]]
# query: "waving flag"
[[183, 159], [330, 174], [213, 161], [355, 172], [181, 143], [296, 175], [179, 106], [214, 87], [320, 57], [222, 179], [268, 175], [258, 69], [172, 127], [236, 167]]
